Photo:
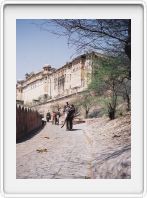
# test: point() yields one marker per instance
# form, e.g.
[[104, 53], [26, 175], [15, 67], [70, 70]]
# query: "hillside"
[[111, 147]]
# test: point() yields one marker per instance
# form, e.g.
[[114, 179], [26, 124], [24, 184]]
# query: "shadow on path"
[[35, 132], [111, 155], [76, 129], [29, 136]]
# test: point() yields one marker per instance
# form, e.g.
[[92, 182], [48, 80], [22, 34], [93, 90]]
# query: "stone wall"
[[47, 106], [71, 78], [27, 121]]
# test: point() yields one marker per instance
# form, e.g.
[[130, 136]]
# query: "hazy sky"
[[36, 47]]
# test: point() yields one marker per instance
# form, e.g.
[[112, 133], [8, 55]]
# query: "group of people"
[[69, 113], [54, 117]]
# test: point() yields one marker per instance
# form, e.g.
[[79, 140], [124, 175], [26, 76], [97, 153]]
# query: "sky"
[[36, 47]]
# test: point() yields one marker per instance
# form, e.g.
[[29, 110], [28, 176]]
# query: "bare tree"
[[109, 36], [105, 35]]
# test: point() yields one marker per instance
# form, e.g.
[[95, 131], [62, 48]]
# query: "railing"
[[27, 121]]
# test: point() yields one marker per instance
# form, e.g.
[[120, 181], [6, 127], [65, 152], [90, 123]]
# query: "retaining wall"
[[27, 121]]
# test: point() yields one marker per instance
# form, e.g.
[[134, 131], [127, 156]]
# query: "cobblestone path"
[[55, 154]]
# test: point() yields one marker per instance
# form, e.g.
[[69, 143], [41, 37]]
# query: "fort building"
[[51, 84]]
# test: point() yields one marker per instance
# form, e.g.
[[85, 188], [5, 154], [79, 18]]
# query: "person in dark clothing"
[[57, 116], [66, 107], [48, 116], [71, 116], [66, 113]]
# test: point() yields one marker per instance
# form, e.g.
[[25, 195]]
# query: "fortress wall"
[[27, 121], [44, 108], [33, 91], [70, 79]]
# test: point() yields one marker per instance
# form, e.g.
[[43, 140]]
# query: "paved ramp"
[[55, 153]]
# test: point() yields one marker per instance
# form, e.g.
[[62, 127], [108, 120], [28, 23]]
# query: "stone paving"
[[65, 154], [97, 150]]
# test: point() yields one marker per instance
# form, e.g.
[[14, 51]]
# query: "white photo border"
[[3, 83]]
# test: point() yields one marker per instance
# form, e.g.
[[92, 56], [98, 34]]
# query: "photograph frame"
[[4, 4]]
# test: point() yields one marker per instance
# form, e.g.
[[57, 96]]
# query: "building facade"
[[51, 83]]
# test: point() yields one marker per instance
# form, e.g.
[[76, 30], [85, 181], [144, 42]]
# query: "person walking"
[[48, 116], [66, 116], [69, 111], [57, 116], [71, 116], [54, 117]]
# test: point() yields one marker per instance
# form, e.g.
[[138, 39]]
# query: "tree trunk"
[[86, 113], [128, 42], [111, 111], [128, 103], [127, 47]]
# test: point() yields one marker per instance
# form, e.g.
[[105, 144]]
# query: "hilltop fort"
[[51, 84]]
